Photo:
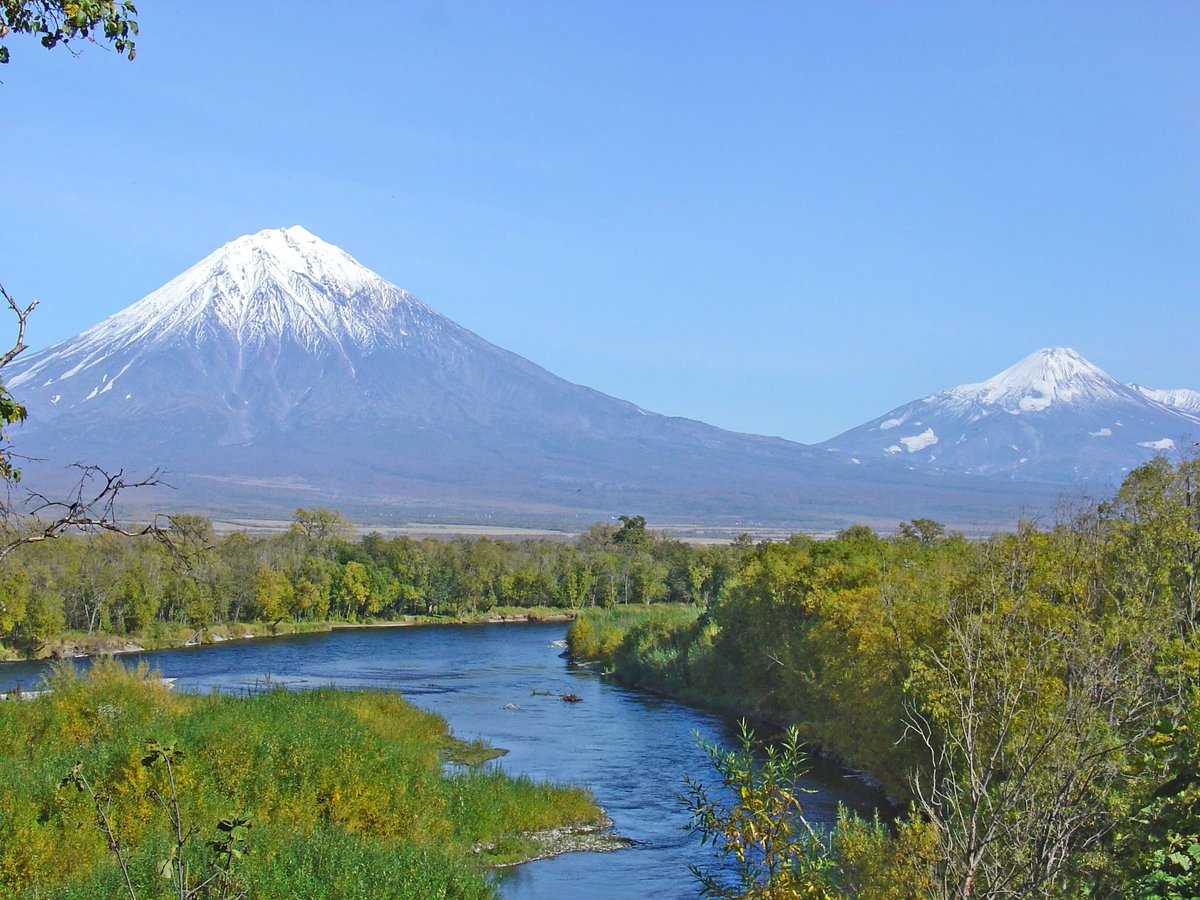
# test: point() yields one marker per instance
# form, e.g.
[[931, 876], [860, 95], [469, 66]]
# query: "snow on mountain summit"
[[280, 284], [1044, 377], [1052, 416], [263, 285]]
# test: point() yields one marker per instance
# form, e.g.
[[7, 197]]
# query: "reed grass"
[[345, 790]]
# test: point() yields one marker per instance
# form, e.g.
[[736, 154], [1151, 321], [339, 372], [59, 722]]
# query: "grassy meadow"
[[348, 794]]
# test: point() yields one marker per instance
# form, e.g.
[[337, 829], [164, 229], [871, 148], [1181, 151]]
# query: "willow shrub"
[[604, 635], [335, 783]]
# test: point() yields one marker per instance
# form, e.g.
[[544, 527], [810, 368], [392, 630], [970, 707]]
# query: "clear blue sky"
[[783, 218]]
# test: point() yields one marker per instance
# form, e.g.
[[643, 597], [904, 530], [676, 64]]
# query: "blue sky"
[[783, 218]]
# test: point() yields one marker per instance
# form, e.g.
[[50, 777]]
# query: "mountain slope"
[[1053, 416], [1180, 399], [278, 371]]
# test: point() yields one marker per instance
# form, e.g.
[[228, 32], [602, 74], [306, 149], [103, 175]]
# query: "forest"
[[186, 579], [1030, 701]]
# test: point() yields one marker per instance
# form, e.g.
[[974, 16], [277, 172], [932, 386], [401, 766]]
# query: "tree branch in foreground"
[[90, 506]]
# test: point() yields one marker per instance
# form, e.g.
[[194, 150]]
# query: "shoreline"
[[91, 646]]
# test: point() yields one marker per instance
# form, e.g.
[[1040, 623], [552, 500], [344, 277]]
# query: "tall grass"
[[660, 647], [345, 791], [597, 633]]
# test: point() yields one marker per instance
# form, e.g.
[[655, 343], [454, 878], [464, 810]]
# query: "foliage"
[[339, 785], [62, 22], [227, 846], [146, 588], [1032, 694], [756, 819], [1161, 843], [880, 861]]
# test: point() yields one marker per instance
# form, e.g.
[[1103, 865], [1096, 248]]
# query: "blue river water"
[[629, 747]]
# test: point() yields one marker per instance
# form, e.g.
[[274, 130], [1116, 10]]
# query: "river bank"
[[629, 748], [349, 781], [633, 645], [74, 645]]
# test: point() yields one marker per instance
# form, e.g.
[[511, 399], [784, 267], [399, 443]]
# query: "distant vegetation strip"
[[91, 593], [346, 794], [1033, 698]]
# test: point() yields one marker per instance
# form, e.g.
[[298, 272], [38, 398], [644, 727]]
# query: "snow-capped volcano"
[[266, 289], [267, 331], [278, 372], [1041, 379], [1053, 416]]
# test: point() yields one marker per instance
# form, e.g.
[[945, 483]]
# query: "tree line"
[[111, 584]]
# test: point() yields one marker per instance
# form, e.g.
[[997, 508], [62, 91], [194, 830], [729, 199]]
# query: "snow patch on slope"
[[920, 441], [1160, 444]]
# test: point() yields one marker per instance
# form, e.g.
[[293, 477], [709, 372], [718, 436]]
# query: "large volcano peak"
[[265, 291], [283, 254]]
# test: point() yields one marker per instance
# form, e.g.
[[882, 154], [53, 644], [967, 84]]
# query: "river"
[[629, 747]]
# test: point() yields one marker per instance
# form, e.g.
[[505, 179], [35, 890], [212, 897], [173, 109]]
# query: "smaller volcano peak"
[[1044, 377], [1184, 399]]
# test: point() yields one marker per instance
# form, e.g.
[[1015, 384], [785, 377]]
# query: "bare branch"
[[90, 506], [22, 314]]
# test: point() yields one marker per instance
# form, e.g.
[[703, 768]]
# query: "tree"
[[318, 530], [273, 595], [66, 22], [353, 589], [89, 507], [924, 531], [775, 852], [632, 533], [14, 588], [138, 600], [1029, 709]]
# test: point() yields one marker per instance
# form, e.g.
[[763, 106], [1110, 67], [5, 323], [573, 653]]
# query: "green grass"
[[345, 791], [598, 633]]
